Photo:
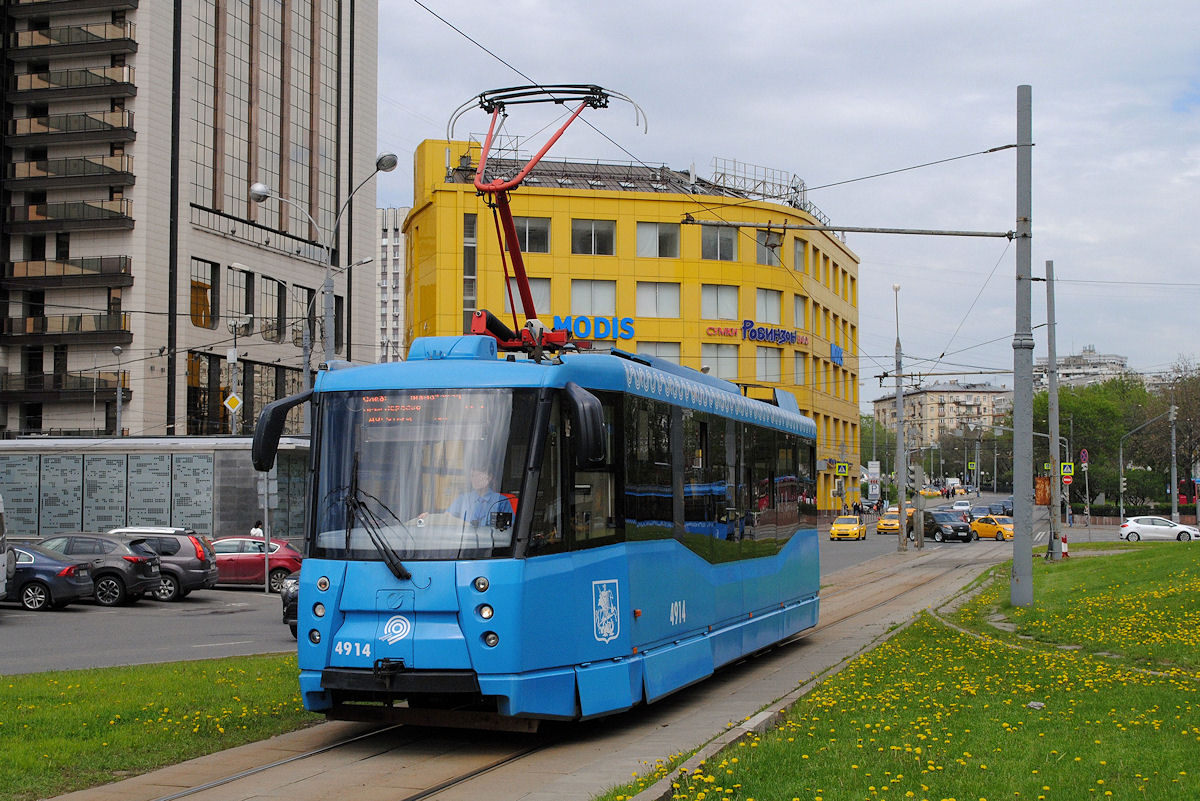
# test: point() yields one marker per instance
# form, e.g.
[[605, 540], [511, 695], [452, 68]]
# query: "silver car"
[[1156, 528]]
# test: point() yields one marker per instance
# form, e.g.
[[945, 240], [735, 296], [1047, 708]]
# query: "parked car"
[[848, 527], [242, 560], [992, 527], [187, 560], [48, 580], [976, 512], [943, 526], [289, 596], [888, 523], [1156, 528], [123, 570]]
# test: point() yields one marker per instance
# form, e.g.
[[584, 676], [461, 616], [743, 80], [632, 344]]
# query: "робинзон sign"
[[762, 333]]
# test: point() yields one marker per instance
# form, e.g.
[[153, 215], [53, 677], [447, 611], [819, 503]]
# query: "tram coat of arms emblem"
[[606, 610]]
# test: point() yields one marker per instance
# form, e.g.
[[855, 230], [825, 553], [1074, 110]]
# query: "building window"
[[719, 244], [663, 350], [656, 299], [469, 285], [593, 237], [339, 326], [718, 302], [767, 245], [800, 360], [767, 363], [721, 360], [767, 308], [301, 311], [596, 298], [798, 261], [272, 306], [241, 291], [205, 308], [800, 311], [658, 240], [539, 288], [533, 234]]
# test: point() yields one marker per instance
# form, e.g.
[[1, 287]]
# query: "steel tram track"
[[518, 754]]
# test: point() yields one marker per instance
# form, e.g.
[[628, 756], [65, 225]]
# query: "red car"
[[241, 560]]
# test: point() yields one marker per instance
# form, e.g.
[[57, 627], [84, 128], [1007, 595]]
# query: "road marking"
[[219, 644]]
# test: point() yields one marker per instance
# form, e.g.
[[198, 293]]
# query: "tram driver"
[[480, 505]]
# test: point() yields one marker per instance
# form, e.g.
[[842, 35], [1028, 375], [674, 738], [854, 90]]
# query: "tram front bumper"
[[399, 680]]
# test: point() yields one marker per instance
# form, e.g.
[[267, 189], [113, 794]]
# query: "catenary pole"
[[901, 454], [1021, 588], [1055, 551]]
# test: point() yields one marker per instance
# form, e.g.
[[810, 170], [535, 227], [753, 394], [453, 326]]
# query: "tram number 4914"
[[678, 612], [347, 648]]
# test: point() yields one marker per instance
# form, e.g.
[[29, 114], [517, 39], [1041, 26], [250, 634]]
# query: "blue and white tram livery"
[[643, 524]]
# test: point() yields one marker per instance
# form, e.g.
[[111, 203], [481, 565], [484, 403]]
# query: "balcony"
[[101, 271], [63, 387], [77, 172], [77, 84], [23, 9], [70, 215], [67, 129], [59, 329], [96, 39]]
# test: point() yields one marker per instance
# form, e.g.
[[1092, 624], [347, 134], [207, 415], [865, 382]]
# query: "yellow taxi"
[[931, 492], [848, 527], [992, 527], [888, 523]]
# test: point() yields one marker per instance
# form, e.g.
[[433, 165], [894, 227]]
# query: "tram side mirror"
[[269, 428], [587, 426]]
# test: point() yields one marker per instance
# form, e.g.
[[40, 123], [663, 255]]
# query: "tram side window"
[[700, 504], [787, 483], [759, 453], [593, 505], [649, 497]]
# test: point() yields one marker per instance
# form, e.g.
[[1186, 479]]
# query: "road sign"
[[1067, 468], [1046, 466], [1083, 456], [970, 465], [841, 469], [233, 402], [1067, 480]]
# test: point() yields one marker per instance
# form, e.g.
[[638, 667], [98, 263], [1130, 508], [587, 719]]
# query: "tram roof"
[[472, 362]]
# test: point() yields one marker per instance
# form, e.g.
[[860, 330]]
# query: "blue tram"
[[634, 526]]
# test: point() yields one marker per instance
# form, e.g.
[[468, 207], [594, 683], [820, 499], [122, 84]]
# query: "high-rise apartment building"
[[134, 259], [390, 224]]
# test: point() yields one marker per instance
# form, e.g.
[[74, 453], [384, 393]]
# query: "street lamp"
[[260, 192], [1121, 459], [117, 350], [901, 454]]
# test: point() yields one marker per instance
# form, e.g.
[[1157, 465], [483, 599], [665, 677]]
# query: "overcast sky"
[[835, 92]]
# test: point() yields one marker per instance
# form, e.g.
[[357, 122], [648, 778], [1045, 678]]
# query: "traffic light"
[[912, 475], [1122, 484], [1172, 413]]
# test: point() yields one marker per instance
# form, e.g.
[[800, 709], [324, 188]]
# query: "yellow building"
[[610, 257]]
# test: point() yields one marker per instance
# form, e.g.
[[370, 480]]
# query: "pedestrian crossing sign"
[[841, 469], [1067, 468]]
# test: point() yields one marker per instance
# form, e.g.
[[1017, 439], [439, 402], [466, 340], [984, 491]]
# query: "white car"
[[961, 505], [1156, 528]]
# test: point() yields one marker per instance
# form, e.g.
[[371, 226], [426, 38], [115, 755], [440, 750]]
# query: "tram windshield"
[[419, 474]]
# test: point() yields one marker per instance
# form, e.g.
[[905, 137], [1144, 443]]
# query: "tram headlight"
[[485, 611], [319, 609], [491, 639], [314, 637], [481, 584], [322, 583]]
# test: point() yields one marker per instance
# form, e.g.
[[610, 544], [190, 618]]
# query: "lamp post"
[[260, 192], [901, 455], [117, 350], [1121, 460]]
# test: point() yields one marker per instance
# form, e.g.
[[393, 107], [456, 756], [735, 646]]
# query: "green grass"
[[936, 713], [67, 730]]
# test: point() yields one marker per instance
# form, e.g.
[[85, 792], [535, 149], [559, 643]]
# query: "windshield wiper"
[[358, 510]]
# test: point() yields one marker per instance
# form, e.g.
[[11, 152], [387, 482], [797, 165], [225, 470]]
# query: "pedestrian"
[[257, 531]]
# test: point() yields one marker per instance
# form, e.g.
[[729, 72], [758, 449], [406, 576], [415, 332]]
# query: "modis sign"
[[596, 327]]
